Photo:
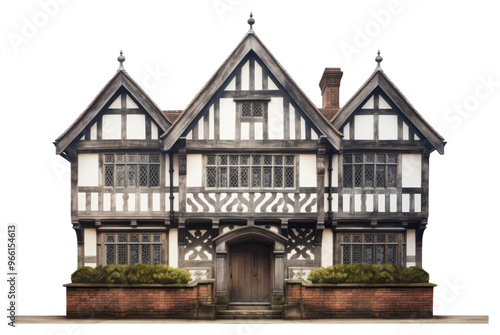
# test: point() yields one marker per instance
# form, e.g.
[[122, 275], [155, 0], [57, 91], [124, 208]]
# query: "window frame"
[[128, 243], [363, 165], [126, 163], [399, 243]]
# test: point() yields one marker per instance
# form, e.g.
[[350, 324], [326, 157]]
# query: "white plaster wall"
[[82, 202], [173, 252], [154, 131], [176, 170], [411, 170], [227, 119], [211, 124], [369, 104], [194, 170], [327, 248], [335, 202], [291, 115], [136, 127], [271, 85], [131, 202], [302, 128], [418, 203], [111, 127], [275, 119], [382, 104], [156, 202], [388, 127], [405, 202], [406, 132], [258, 76], [90, 241], [393, 203], [94, 201], [106, 202], [245, 131], [347, 132], [130, 102], [346, 203], [357, 202], [381, 203], [232, 85], [258, 129], [245, 76], [119, 202], [363, 127], [117, 103], [307, 175], [144, 202], [88, 170], [369, 203], [93, 132], [411, 243]]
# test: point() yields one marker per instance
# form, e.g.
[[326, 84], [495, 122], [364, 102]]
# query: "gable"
[[252, 106], [375, 110], [230, 86], [120, 100]]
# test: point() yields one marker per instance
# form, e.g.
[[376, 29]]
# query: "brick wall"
[[137, 301], [357, 300]]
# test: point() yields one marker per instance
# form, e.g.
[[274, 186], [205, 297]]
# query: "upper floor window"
[[250, 171], [369, 170], [131, 170]]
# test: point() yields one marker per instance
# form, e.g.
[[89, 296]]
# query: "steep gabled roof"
[[379, 80], [250, 43], [121, 80]]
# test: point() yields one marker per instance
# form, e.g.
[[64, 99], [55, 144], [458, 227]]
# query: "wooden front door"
[[250, 273]]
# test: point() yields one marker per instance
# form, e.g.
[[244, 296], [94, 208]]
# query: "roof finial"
[[251, 21], [378, 59], [121, 59]]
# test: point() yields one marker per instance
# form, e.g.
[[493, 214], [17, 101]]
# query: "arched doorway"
[[250, 273]]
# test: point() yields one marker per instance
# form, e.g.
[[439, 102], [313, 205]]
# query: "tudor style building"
[[252, 183]]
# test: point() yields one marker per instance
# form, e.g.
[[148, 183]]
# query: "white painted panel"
[[411, 243], [314, 134], [418, 202], [227, 119], [82, 202], [136, 127], [211, 126], [176, 202], [245, 131], [173, 256], [416, 137], [302, 129], [347, 131], [291, 114], [156, 202], [130, 102], [357, 202], [245, 76], [106, 202], [408, 264], [363, 127], [381, 203], [405, 203], [232, 85], [93, 265], [325, 179], [94, 201], [111, 127], [154, 131], [258, 76], [143, 202], [382, 104], [327, 248], [131, 202], [388, 127], [335, 202], [307, 175], [258, 129], [346, 203], [90, 241], [189, 135], [369, 203], [117, 103], [93, 132], [406, 132], [275, 119], [393, 203], [82, 138], [335, 172], [411, 170], [119, 202], [271, 85], [369, 104], [88, 170], [194, 170]]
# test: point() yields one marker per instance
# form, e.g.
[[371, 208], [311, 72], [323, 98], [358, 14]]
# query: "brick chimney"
[[329, 85]]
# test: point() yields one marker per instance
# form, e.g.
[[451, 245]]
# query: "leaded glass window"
[[132, 170], [133, 248], [245, 171], [369, 170], [370, 248], [252, 109]]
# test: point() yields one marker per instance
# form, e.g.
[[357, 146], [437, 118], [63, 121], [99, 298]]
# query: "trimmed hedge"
[[368, 274], [131, 274]]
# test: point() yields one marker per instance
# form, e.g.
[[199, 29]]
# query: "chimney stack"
[[329, 85]]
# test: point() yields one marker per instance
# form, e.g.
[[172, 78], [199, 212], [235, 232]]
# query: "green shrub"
[[134, 274], [361, 273]]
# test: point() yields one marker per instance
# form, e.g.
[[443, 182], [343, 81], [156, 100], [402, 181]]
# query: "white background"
[[444, 56]]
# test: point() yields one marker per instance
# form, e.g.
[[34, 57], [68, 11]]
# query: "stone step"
[[249, 314]]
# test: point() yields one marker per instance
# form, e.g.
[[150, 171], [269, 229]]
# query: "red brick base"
[[316, 301], [189, 301]]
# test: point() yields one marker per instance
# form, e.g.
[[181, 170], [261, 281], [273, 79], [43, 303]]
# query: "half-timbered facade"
[[251, 183]]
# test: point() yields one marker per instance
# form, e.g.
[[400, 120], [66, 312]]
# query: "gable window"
[[250, 171], [131, 170], [369, 170], [252, 109], [370, 248], [133, 248]]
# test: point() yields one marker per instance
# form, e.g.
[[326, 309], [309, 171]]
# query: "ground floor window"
[[369, 248], [133, 248]]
